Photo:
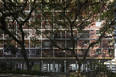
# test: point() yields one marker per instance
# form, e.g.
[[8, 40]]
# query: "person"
[[55, 69]]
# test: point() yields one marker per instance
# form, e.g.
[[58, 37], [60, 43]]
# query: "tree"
[[73, 16], [12, 20]]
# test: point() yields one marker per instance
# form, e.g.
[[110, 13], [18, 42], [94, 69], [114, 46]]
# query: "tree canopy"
[[13, 19], [70, 18]]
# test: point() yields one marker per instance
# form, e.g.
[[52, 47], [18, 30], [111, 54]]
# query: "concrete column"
[[19, 65], [87, 67], [49, 67], [22, 65], [41, 65], [83, 67], [53, 66], [76, 66], [58, 67], [115, 65], [110, 64], [64, 65], [67, 67]]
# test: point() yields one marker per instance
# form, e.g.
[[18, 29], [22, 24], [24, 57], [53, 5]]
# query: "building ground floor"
[[61, 64]]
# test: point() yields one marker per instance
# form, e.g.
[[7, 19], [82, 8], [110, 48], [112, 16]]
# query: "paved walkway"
[[23, 75], [55, 74], [18, 75]]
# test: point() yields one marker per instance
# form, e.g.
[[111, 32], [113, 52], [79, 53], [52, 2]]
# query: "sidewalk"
[[24, 75], [19, 75], [55, 74]]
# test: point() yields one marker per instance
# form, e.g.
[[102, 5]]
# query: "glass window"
[[47, 43], [97, 32], [86, 42], [98, 51], [98, 23], [111, 51], [110, 42], [47, 25]]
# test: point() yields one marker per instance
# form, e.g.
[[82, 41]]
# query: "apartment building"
[[52, 59]]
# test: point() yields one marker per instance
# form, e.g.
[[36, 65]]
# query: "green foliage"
[[3, 66], [10, 47], [98, 67], [36, 67], [111, 74]]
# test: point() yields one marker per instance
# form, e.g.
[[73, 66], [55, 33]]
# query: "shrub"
[[111, 74], [98, 67]]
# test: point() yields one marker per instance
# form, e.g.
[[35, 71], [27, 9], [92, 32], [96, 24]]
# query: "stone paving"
[[23, 75], [57, 74], [60, 74], [18, 75]]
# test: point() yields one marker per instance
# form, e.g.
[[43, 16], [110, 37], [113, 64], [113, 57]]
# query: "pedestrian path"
[[19, 75], [55, 74]]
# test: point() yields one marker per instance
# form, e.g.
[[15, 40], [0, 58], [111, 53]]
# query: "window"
[[59, 52], [47, 43], [98, 23], [60, 34], [68, 34], [97, 32], [38, 51], [47, 7], [32, 51], [86, 42], [27, 50], [111, 51], [60, 27], [84, 35], [60, 43], [1, 34], [38, 45], [32, 33], [26, 32], [8, 53], [80, 52], [98, 51], [110, 42], [47, 25]]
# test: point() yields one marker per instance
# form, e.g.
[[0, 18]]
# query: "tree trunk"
[[26, 58], [27, 63], [79, 69]]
